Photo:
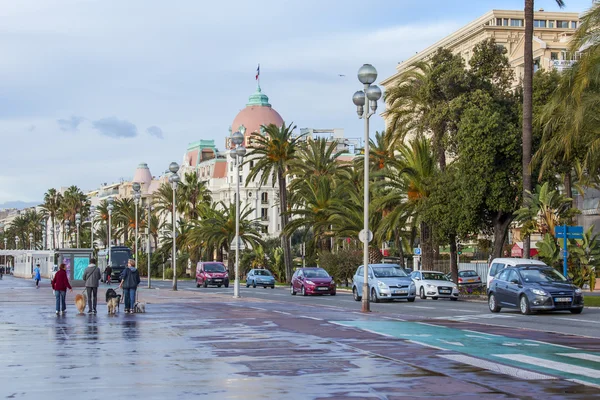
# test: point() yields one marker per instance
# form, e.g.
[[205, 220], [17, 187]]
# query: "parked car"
[[312, 281], [467, 278], [533, 288], [434, 284], [498, 264], [386, 281], [211, 273], [260, 277]]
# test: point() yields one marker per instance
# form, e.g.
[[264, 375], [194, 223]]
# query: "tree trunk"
[[527, 109], [453, 259], [53, 233], [285, 242], [231, 263], [398, 241], [569, 190], [426, 247], [501, 224]]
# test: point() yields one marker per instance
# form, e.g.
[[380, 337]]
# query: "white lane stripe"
[[581, 356], [258, 308], [551, 344], [496, 367], [435, 326], [425, 344], [578, 320], [481, 333], [584, 383], [559, 366], [395, 319], [424, 307], [281, 312], [316, 319], [465, 311]]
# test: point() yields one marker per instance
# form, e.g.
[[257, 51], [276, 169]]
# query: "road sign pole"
[[565, 254]]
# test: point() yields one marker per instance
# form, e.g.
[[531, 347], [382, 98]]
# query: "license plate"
[[400, 291], [470, 280], [323, 288], [444, 291], [218, 280], [562, 299]]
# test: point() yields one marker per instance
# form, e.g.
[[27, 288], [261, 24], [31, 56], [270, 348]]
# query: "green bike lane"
[[529, 359]]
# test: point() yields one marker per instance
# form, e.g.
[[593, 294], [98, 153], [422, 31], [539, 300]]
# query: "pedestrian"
[[130, 279], [92, 276], [37, 275], [60, 283], [52, 275], [108, 272]]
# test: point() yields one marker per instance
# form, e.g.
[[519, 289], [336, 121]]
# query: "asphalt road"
[[585, 324]]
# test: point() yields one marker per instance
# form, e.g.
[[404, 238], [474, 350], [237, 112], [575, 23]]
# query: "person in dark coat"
[[130, 279], [60, 284], [92, 276]]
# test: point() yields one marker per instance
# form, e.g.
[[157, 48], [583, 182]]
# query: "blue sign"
[[567, 232], [417, 251]]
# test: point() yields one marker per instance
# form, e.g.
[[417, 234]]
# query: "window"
[[251, 164], [550, 24], [516, 22], [512, 276], [231, 167], [498, 21], [504, 21], [536, 65], [361, 271], [241, 179], [562, 24], [573, 24], [554, 55], [264, 214], [496, 268], [264, 198], [539, 23], [503, 275]]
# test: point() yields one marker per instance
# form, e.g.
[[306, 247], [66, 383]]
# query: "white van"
[[498, 264]]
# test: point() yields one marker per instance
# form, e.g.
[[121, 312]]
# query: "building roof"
[[258, 112]]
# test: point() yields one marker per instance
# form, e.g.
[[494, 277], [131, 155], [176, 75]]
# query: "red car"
[[312, 281], [211, 273]]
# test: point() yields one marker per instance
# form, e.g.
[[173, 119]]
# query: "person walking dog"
[[60, 284], [92, 276], [130, 279]]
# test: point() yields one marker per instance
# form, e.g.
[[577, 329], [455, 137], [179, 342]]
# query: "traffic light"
[[459, 249]]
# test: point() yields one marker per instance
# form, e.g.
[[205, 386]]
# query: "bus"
[[119, 256]]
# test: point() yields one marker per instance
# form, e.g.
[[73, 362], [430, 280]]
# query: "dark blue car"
[[533, 288]]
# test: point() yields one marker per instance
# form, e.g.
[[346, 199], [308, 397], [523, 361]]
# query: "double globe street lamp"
[[109, 208], [237, 153], [30, 241], [136, 199], [92, 216], [367, 74], [78, 223], [174, 179]]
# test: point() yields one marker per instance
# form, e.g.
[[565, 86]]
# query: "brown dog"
[[80, 301]]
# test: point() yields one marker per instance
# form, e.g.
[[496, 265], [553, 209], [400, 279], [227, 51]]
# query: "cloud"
[[115, 128], [70, 124], [155, 131]]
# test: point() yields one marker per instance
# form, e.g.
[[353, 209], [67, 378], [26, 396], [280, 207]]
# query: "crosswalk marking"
[[581, 356], [559, 366], [496, 367]]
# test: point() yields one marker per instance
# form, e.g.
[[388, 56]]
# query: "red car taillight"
[[459, 280]]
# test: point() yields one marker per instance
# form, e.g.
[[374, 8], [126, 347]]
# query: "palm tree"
[[274, 152], [52, 200], [124, 218], [528, 105], [194, 193]]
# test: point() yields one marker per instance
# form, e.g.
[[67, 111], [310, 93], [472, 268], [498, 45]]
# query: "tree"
[[274, 151], [528, 103], [52, 200]]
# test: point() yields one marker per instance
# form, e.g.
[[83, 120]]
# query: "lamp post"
[[78, 223], [5, 256], [237, 154], [136, 199], [56, 235], [109, 208], [67, 236], [92, 216], [148, 226], [16, 243], [174, 179], [367, 74], [30, 241]]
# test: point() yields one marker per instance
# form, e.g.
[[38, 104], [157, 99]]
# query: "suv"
[[211, 273], [498, 264], [386, 281]]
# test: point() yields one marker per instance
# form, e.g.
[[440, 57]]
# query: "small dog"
[[139, 307], [80, 302], [112, 301]]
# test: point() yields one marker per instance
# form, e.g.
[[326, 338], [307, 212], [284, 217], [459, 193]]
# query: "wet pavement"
[[203, 345]]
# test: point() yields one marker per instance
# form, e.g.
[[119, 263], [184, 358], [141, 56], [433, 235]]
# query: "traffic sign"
[[361, 236], [417, 251], [240, 244], [573, 232]]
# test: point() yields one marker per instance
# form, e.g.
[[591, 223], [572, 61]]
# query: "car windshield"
[[467, 273], [434, 276], [541, 275], [388, 272], [262, 272], [214, 267], [316, 273]]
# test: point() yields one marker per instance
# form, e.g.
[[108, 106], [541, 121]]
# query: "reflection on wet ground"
[[211, 347]]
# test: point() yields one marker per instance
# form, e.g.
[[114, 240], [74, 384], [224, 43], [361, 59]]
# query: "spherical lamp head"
[[373, 93], [136, 186], [241, 151], [237, 138], [367, 74], [137, 196], [77, 216], [110, 207], [174, 167], [110, 200], [174, 178], [359, 98], [232, 153]]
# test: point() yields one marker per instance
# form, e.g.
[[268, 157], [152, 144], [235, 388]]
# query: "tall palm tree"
[[194, 193], [528, 105], [274, 151], [52, 200], [124, 218]]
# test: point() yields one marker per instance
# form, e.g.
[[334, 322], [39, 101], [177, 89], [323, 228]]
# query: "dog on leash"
[[112, 301], [80, 302], [139, 307]]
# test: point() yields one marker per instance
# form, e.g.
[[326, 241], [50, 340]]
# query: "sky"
[[91, 88]]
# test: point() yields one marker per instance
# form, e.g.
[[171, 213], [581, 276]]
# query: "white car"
[[434, 284]]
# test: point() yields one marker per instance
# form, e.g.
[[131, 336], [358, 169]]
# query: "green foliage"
[[341, 264], [586, 255], [548, 251]]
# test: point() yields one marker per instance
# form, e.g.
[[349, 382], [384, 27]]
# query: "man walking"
[[130, 279], [37, 276], [92, 276]]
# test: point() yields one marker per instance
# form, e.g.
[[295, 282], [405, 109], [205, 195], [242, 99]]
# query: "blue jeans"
[[61, 296], [129, 298]]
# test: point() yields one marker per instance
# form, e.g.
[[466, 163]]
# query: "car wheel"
[[454, 298], [411, 300], [218, 285], [227, 285], [576, 310], [247, 283], [374, 296], [205, 284], [355, 294], [292, 291], [254, 284], [333, 294], [434, 298], [422, 293], [492, 304], [303, 291], [197, 283], [524, 305], [273, 287]]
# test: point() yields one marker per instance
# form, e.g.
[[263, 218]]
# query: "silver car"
[[386, 281]]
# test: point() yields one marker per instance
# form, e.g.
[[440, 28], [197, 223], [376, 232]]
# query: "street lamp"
[[174, 179], [110, 209], [56, 234], [148, 226], [136, 199], [66, 235], [30, 241], [78, 222], [367, 74], [16, 243], [237, 154], [92, 216]]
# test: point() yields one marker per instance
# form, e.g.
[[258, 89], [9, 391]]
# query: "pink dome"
[[258, 112], [143, 176]]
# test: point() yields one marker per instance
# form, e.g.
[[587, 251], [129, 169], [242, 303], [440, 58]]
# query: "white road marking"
[[584, 383], [258, 308], [316, 319], [435, 326], [452, 343], [425, 344], [496, 367], [578, 320], [282, 312], [478, 337], [424, 307], [581, 356], [559, 366], [378, 333], [552, 344], [460, 310], [395, 319], [481, 333]]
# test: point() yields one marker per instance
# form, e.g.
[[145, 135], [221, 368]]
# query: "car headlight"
[[577, 291], [412, 284], [430, 286], [310, 283], [539, 292], [381, 285], [333, 282]]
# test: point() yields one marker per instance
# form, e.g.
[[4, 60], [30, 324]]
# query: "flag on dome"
[[257, 71]]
